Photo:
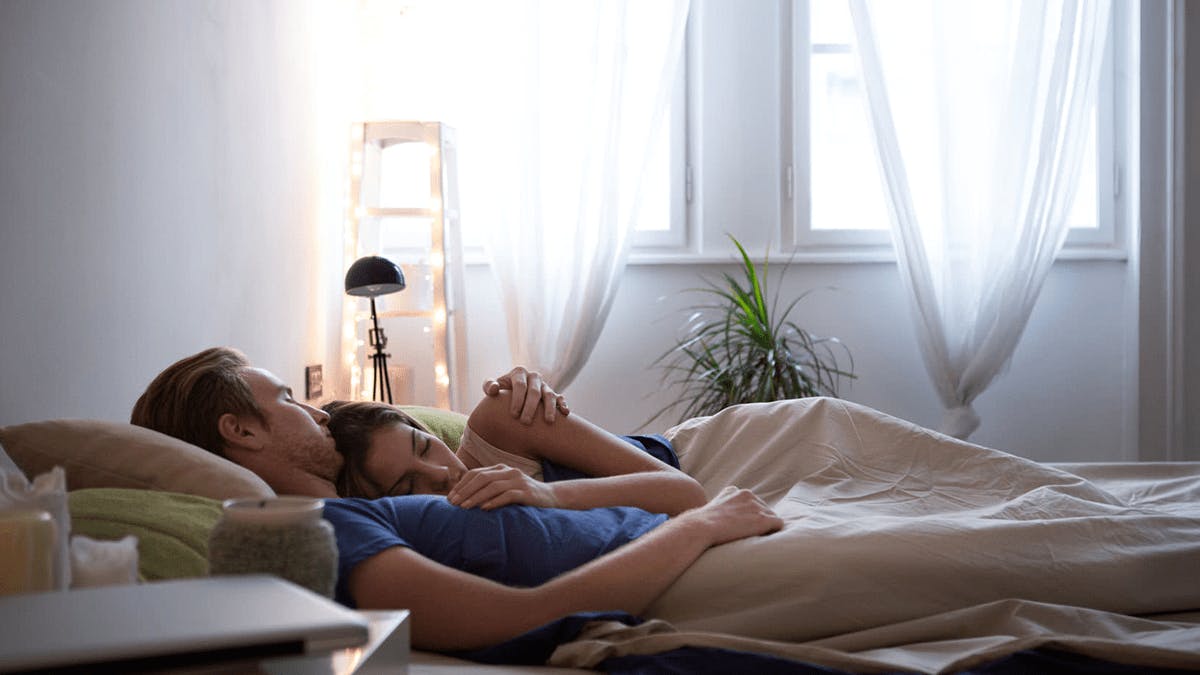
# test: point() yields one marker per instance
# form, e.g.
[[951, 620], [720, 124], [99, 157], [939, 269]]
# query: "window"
[[747, 146], [662, 213], [833, 196], [665, 190], [833, 131]]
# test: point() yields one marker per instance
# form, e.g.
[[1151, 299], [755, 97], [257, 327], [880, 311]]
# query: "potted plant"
[[736, 348]]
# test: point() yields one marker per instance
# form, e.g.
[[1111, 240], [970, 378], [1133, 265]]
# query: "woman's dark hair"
[[352, 424]]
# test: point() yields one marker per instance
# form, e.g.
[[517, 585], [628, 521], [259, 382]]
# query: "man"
[[216, 400]]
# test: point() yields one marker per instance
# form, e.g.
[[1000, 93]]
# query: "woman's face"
[[403, 460]]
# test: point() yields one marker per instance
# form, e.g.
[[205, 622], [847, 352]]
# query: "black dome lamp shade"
[[370, 277]]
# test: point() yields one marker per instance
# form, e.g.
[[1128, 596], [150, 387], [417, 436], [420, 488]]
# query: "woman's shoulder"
[[476, 452]]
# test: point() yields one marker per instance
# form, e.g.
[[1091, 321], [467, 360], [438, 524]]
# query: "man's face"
[[296, 433]]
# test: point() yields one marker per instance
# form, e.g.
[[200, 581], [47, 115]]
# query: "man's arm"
[[455, 610], [529, 391]]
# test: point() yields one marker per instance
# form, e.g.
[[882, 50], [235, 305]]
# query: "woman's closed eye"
[[402, 486], [406, 483]]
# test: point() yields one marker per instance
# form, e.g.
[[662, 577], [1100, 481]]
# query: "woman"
[[504, 459]]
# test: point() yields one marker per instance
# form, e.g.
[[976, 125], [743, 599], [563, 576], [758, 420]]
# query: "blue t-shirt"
[[514, 545]]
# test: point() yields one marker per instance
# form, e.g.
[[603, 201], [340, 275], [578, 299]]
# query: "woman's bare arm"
[[455, 610], [624, 475]]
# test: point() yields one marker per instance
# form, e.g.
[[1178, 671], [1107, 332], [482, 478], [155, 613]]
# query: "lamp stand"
[[378, 340]]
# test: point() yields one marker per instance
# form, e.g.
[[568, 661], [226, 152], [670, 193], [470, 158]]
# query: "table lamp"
[[370, 277]]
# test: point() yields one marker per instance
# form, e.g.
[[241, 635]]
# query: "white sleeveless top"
[[473, 450]]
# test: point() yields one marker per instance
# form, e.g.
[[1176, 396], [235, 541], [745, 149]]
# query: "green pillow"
[[445, 424], [172, 528]]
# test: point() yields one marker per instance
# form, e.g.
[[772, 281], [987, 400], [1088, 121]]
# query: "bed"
[[904, 549]]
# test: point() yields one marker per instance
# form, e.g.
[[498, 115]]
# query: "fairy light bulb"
[[368, 376]]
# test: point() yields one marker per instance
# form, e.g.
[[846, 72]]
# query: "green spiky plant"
[[737, 349]]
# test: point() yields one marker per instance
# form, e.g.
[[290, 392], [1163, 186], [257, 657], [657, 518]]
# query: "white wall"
[[1168, 276], [158, 183], [1190, 330]]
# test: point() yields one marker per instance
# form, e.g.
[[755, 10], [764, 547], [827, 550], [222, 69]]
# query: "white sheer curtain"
[[980, 117], [585, 84]]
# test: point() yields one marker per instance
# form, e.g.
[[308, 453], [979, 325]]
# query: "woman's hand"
[[734, 514], [494, 486], [529, 391]]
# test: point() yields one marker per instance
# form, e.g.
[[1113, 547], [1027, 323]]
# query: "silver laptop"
[[171, 624]]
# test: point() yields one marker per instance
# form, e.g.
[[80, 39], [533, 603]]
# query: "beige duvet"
[[907, 549]]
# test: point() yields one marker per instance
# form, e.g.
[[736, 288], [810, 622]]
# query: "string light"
[[434, 264], [368, 376]]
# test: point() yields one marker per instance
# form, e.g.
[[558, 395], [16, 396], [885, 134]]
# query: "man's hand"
[[528, 392], [490, 487], [734, 514]]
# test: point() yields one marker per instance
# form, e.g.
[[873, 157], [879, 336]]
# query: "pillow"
[[172, 529], [97, 453], [445, 424]]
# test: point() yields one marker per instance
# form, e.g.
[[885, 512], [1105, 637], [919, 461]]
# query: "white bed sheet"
[[908, 549]]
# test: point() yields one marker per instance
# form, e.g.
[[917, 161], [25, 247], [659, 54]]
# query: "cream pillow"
[[97, 453]]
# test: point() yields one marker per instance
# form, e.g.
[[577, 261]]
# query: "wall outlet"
[[313, 382]]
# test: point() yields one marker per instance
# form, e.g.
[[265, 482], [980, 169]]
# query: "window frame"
[[1113, 148], [676, 236]]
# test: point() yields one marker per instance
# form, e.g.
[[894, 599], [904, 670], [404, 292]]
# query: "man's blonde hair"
[[188, 398]]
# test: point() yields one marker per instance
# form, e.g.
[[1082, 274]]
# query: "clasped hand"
[[494, 486], [529, 392]]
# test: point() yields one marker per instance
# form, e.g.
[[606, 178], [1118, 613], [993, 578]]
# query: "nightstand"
[[386, 651]]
